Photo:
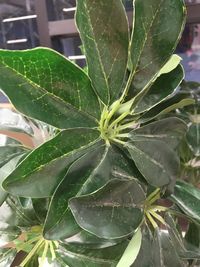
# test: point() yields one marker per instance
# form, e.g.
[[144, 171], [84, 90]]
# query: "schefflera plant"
[[112, 158]]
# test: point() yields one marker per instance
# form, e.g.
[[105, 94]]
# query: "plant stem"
[[157, 216], [53, 255], [119, 141], [120, 118], [151, 220], [44, 254], [32, 252]]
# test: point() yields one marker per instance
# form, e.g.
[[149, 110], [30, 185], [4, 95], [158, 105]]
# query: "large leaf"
[[157, 162], [170, 130], [90, 172], [104, 32], [78, 256], [193, 138], [113, 211], [163, 88], [39, 174], [187, 197], [158, 25], [51, 88]]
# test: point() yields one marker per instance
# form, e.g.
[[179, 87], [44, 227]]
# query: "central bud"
[[110, 123]]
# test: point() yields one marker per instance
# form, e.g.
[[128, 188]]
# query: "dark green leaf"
[[170, 130], [113, 211], [193, 138], [187, 198], [90, 172], [44, 168], [104, 32], [78, 256], [157, 162], [40, 207], [163, 88], [158, 25], [51, 88]]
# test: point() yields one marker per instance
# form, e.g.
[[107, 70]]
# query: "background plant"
[[90, 195]]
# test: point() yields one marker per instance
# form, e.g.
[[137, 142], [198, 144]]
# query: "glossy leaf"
[[113, 211], [132, 250], [157, 162], [170, 130], [187, 198], [45, 167], [80, 257], [193, 138], [162, 89], [90, 172], [104, 32], [158, 25], [47, 83]]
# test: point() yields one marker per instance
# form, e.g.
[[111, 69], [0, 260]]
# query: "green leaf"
[[164, 108], [157, 162], [38, 175], [51, 88], [171, 64], [104, 32], [92, 171], [132, 250], [164, 88], [187, 198], [4, 172], [158, 25], [193, 138], [78, 256], [113, 211], [170, 130]]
